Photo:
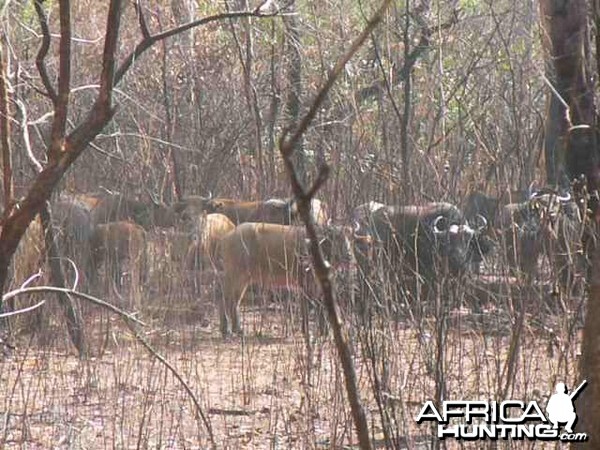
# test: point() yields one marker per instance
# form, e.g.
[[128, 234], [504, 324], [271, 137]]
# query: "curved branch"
[[22, 311], [43, 51], [57, 290], [37, 166], [150, 40]]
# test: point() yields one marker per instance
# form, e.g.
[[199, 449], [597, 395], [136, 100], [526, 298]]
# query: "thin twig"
[[37, 166], [31, 279], [560, 99], [287, 146], [22, 311], [89, 298]]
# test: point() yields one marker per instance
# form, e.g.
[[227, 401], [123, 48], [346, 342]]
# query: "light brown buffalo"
[[271, 256], [89, 200], [269, 211], [209, 231], [114, 243]]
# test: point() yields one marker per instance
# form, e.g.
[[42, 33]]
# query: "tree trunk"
[[565, 30], [565, 27], [295, 87], [555, 128]]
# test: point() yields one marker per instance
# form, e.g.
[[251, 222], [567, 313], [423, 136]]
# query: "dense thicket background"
[[217, 97]]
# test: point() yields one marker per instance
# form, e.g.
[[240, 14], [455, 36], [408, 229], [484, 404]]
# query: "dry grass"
[[263, 392], [277, 388]]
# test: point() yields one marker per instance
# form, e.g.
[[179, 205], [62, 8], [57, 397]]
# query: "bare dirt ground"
[[270, 390]]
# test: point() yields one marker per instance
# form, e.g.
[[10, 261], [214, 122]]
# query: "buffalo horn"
[[483, 221], [435, 224]]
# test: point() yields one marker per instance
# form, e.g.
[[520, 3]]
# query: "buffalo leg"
[[229, 305], [235, 314], [137, 270]]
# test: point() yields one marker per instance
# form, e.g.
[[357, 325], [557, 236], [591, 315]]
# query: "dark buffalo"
[[493, 215], [479, 204], [72, 223], [117, 207], [112, 244], [545, 223], [430, 239], [193, 206]]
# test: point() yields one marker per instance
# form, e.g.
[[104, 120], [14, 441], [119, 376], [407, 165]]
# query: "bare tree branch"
[[7, 180], [142, 20], [43, 51], [61, 106], [147, 42], [113, 22], [102, 110], [23, 311], [37, 166], [56, 290]]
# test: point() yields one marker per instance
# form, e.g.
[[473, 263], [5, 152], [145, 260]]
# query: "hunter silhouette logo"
[[560, 406], [471, 420]]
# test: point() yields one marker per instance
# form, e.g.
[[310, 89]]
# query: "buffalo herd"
[[260, 243]]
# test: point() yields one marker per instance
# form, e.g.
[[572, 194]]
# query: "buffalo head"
[[432, 238]]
